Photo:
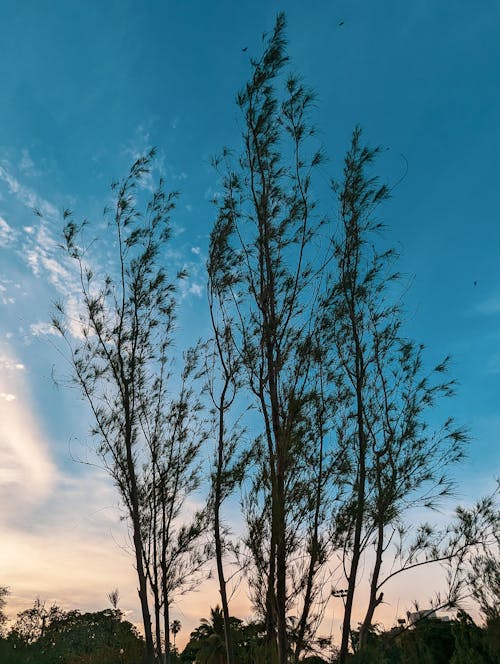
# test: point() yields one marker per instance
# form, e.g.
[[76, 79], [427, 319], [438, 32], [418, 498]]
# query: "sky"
[[86, 86]]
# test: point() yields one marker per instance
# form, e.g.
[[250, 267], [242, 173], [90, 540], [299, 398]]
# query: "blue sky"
[[86, 86]]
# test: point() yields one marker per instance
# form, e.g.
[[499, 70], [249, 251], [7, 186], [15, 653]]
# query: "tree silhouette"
[[125, 326], [261, 278], [4, 591], [395, 461], [176, 628]]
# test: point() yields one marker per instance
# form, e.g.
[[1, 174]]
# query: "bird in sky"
[[341, 23], [245, 48]]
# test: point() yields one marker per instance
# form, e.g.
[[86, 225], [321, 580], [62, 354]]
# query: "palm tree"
[[176, 628], [210, 634]]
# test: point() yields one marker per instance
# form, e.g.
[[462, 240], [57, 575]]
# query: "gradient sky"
[[88, 85]]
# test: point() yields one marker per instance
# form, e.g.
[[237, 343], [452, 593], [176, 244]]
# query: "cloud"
[[7, 233], [5, 291], [40, 251], [7, 364], [42, 328], [489, 306], [27, 165], [43, 258], [27, 471], [26, 195], [196, 289], [70, 548]]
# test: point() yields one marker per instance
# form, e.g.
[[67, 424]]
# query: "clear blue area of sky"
[[87, 84]]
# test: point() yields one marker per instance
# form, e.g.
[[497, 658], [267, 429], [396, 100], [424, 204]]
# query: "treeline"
[[52, 636], [311, 403], [429, 641], [42, 635]]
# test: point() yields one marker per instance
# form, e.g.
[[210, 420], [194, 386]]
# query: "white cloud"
[[27, 165], [7, 233], [7, 364], [43, 258], [196, 289], [25, 195], [41, 251], [42, 328], [27, 472]]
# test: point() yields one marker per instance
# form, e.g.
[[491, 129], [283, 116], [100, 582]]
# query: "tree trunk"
[[217, 534], [166, 629], [374, 601], [313, 559], [149, 655], [360, 498], [281, 563]]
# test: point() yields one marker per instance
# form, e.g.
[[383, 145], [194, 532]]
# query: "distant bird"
[[245, 49], [341, 23], [475, 283]]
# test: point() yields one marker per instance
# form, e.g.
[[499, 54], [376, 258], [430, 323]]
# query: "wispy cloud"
[[42, 328], [5, 296], [40, 249], [27, 471], [26, 195], [8, 364], [7, 233], [489, 306], [27, 165]]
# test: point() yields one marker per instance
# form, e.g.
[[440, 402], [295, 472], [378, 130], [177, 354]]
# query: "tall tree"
[[260, 270], [125, 326], [396, 461]]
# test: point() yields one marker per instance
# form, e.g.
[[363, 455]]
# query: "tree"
[[114, 598], [4, 591], [484, 572], [176, 628], [126, 319], [51, 635], [471, 646], [207, 641], [261, 276], [395, 461], [31, 624]]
